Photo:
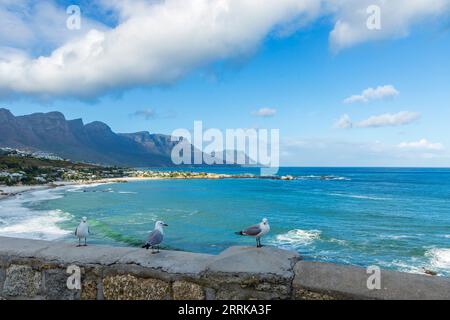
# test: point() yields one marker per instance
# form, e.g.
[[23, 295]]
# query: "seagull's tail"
[[239, 233], [146, 246]]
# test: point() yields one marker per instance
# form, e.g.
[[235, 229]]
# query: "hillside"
[[93, 142], [22, 168]]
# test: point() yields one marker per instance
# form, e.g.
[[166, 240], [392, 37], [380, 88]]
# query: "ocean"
[[397, 219]]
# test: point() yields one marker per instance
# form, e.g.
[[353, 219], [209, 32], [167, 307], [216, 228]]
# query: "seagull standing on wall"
[[156, 237], [82, 231], [258, 231]]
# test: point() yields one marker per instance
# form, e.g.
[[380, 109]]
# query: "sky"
[[340, 93]]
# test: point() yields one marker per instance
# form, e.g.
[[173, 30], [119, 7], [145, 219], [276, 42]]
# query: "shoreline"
[[7, 192], [11, 191]]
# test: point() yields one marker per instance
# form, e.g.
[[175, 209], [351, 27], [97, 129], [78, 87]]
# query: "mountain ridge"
[[93, 142]]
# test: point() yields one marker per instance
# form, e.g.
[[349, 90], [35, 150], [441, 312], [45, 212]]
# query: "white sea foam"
[[81, 187], [328, 178], [42, 227], [357, 196], [93, 185], [409, 267], [439, 258], [302, 238], [395, 237], [298, 237], [339, 241], [40, 195], [436, 260], [21, 221]]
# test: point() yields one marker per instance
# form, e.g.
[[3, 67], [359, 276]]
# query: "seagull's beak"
[[165, 225]]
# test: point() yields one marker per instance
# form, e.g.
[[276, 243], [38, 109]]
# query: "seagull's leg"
[[79, 242], [85, 242]]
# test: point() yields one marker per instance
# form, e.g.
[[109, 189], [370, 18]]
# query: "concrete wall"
[[38, 270]]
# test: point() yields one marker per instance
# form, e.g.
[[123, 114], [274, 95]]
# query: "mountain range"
[[94, 142]]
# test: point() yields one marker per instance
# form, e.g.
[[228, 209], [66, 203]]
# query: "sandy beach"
[[11, 191]]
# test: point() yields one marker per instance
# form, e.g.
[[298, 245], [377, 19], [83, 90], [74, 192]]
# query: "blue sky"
[[299, 76]]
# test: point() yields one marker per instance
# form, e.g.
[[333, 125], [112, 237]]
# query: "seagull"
[[82, 231], [155, 238], [258, 231]]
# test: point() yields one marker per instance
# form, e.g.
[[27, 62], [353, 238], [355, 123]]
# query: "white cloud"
[[265, 112], [383, 120], [344, 122], [378, 93], [150, 114], [389, 120], [37, 25], [157, 42], [397, 18], [422, 144], [333, 152], [147, 114]]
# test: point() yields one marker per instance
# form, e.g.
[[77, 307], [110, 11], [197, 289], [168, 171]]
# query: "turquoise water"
[[394, 218]]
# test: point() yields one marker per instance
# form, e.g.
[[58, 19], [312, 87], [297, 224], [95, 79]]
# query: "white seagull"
[[258, 231], [156, 237], [82, 231]]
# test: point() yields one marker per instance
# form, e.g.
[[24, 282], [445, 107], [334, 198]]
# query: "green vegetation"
[[28, 170]]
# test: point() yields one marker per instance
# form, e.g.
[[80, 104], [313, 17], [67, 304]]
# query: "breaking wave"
[[435, 260], [17, 220], [439, 258], [297, 237]]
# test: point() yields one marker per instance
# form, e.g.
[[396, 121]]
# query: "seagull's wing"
[[154, 238], [252, 231]]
